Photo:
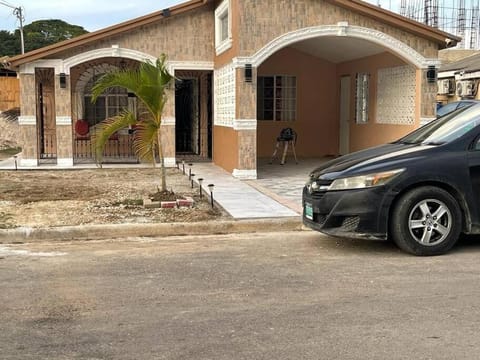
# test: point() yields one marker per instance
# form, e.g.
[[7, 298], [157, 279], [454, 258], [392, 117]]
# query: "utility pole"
[[18, 12]]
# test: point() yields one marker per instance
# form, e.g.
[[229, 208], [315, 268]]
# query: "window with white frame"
[[277, 98], [223, 27], [361, 98]]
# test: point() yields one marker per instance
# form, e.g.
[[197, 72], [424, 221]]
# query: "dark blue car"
[[421, 191]]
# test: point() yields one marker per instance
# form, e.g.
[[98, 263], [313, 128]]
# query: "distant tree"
[[47, 32], [38, 34], [9, 44]]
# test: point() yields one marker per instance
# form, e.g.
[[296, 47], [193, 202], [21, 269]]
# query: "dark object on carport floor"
[[287, 137]]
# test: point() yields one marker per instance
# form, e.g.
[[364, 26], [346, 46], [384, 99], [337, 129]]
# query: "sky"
[[96, 14], [90, 14]]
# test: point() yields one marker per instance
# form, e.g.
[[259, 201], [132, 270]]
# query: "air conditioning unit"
[[465, 88], [445, 86]]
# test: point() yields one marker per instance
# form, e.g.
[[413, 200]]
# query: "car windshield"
[[446, 128], [445, 109]]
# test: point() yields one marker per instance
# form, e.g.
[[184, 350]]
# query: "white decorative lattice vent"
[[225, 96], [396, 96]]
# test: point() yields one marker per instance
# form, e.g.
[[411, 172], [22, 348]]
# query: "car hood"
[[370, 160]]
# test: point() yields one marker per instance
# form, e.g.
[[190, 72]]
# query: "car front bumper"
[[359, 213]]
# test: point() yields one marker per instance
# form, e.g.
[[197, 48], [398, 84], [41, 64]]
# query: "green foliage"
[[10, 151], [46, 32], [149, 83], [9, 44], [38, 34]]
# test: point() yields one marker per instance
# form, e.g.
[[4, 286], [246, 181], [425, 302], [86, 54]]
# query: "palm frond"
[[107, 128], [128, 79], [145, 141]]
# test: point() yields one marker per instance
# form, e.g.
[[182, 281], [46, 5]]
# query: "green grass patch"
[[10, 151]]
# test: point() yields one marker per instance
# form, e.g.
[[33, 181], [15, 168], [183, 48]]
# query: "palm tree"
[[148, 83]]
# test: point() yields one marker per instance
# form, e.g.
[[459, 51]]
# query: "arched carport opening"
[[342, 89]]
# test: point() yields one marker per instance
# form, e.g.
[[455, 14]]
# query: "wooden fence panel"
[[9, 93]]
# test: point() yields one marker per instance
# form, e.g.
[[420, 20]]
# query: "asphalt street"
[[296, 295]]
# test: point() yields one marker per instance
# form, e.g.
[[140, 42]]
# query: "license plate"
[[308, 211]]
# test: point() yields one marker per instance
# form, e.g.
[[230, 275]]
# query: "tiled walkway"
[[237, 197], [276, 193]]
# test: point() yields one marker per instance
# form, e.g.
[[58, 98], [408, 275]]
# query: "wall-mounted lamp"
[[248, 73], [431, 74], [63, 80]]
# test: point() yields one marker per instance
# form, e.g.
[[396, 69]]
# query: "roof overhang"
[[442, 38]]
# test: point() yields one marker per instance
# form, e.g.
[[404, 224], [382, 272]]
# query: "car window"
[[445, 109], [463, 103], [476, 146], [446, 128]]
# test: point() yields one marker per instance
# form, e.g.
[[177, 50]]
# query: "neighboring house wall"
[[448, 56], [9, 99]]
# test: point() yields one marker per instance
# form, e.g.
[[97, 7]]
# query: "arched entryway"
[[87, 115], [341, 88]]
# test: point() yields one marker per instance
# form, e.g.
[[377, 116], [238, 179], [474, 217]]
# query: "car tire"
[[426, 221]]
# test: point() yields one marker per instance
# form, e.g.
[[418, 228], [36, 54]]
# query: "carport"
[[339, 93]]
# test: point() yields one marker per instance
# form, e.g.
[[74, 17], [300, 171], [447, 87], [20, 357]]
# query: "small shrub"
[[10, 151]]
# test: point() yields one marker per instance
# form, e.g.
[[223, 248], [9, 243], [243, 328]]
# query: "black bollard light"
[[210, 187], [190, 171], [183, 166], [15, 157], [200, 181], [191, 177]]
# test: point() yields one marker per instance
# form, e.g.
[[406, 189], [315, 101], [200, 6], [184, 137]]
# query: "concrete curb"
[[112, 231]]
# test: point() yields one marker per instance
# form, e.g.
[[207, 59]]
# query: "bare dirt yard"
[[39, 198]]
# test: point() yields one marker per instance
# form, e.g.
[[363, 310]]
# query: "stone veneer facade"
[[259, 29]]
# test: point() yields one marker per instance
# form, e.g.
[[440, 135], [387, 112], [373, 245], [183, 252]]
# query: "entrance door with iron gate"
[[193, 114]]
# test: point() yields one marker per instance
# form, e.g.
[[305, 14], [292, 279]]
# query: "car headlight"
[[364, 181]]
